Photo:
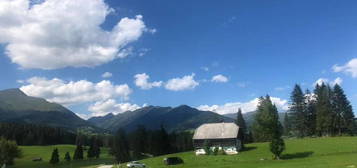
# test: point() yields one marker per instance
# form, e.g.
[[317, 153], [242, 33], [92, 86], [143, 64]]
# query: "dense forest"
[[30, 134]]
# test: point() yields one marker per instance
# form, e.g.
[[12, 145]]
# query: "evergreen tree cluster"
[[30, 134], [325, 112], [142, 143]]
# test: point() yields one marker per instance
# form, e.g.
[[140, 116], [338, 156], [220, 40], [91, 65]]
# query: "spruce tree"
[[310, 109], [242, 126], [96, 148], [287, 124], [120, 147], [78, 153], [342, 109], [90, 152], [67, 157], [298, 112], [277, 145], [54, 157], [324, 113], [264, 125]]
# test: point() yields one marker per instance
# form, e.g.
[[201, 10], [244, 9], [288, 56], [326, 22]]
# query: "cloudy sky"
[[97, 57]]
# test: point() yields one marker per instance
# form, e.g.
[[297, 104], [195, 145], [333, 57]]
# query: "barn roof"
[[216, 131]]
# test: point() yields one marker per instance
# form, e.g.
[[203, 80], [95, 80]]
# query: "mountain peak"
[[13, 91]]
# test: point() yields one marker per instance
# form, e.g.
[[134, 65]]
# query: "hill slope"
[[152, 117], [16, 106], [337, 152]]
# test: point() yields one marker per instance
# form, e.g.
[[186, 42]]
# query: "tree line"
[[324, 112], [143, 143], [31, 134]]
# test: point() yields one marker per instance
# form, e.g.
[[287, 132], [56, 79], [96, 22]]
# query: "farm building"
[[222, 135]]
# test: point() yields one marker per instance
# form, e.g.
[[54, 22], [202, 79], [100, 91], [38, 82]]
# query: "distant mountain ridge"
[[152, 117], [17, 107]]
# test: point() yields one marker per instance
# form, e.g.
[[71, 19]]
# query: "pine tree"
[[343, 113], [297, 111], [310, 112], [324, 113], [120, 148], [277, 145], [242, 126], [67, 157], [78, 153], [287, 124], [54, 157], [90, 152], [264, 125], [96, 148]]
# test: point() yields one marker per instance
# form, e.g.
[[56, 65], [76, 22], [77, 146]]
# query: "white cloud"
[[143, 51], [74, 92], [64, 33], [249, 106], [219, 78], [338, 81], [349, 68], [83, 116], [320, 81], [107, 75], [185, 83], [141, 81], [102, 108]]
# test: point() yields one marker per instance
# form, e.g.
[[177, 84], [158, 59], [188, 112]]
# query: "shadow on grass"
[[248, 148], [297, 155]]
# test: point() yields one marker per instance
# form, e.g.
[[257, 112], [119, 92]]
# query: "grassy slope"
[[30, 152], [316, 153], [300, 153]]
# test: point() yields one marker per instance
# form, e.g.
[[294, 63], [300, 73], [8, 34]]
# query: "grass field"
[[30, 152], [339, 152]]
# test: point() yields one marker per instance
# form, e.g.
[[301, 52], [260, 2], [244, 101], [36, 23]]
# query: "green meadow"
[[332, 152]]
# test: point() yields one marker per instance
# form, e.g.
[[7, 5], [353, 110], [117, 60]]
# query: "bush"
[[8, 151], [221, 152]]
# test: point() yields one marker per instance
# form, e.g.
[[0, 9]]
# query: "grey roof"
[[216, 131]]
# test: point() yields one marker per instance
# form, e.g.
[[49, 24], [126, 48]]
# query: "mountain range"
[[17, 107], [152, 117]]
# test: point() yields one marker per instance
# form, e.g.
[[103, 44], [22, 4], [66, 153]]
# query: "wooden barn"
[[222, 135]]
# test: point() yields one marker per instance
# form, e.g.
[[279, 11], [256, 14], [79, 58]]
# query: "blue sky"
[[260, 47]]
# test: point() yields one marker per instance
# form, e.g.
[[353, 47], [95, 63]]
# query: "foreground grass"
[[339, 152], [30, 152]]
